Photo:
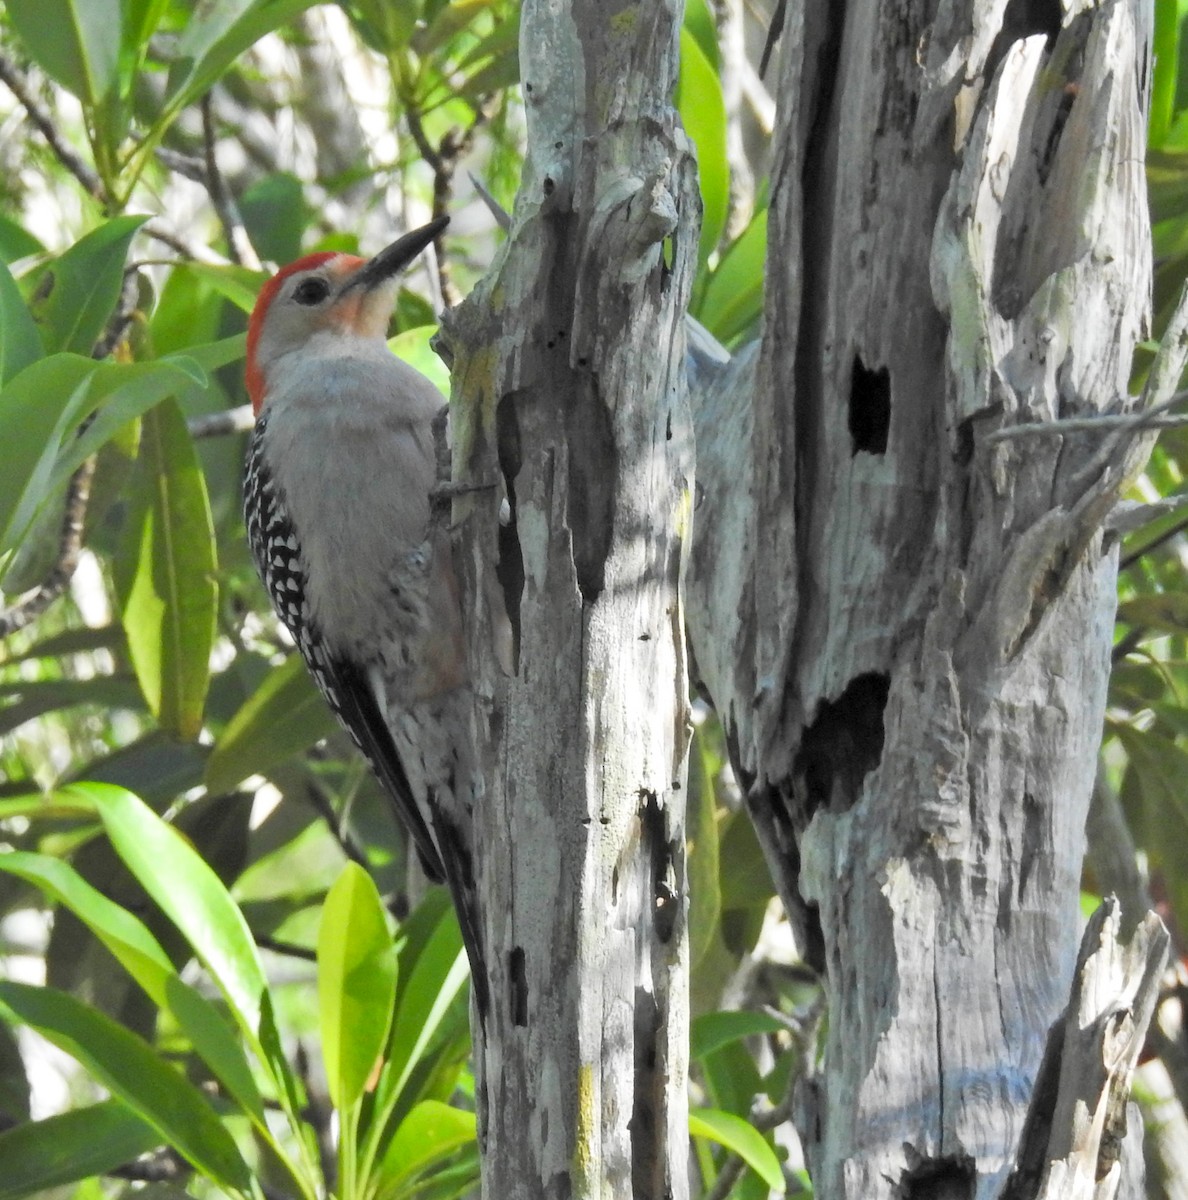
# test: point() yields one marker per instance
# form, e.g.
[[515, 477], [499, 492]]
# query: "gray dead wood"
[[569, 388], [906, 627]]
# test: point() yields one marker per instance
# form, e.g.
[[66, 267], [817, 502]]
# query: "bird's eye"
[[311, 291]]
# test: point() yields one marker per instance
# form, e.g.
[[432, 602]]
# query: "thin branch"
[[239, 245], [219, 424], [1106, 423], [78, 490], [443, 159], [1166, 536], [188, 166], [162, 1166], [287, 949], [125, 310], [16, 82], [34, 603], [322, 806]]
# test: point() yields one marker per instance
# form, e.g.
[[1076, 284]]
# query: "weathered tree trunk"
[[904, 620], [570, 395]]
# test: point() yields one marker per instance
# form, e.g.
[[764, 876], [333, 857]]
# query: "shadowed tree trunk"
[[570, 392], [901, 595], [904, 612]]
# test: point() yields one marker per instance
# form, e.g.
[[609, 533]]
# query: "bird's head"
[[328, 291]]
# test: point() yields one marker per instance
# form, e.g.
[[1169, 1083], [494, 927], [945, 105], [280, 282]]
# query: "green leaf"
[[166, 574], [703, 114], [284, 716], [41, 408], [188, 892], [37, 409], [16, 241], [216, 35], [140, 954], [741, 1138], [437, 975], [275, 215], [84, 286], [122, 392], [705, 903], [1167, 611], [733, 298], [356, 983], [71, 1147], [430, 1133], [75, 42], [714, 1030], [700, 23], [26, 701], [413, 347], [20, 343], [129, 1067]]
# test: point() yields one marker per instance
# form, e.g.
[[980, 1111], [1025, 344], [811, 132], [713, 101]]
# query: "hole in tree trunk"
[[941, 1179], [843, 744], [517, 982], [870, 408]]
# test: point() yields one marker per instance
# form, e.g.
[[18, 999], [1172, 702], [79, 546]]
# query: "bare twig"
[[34, 603], [188, 166], [233, 420], [1166, 536], [43, 119], [162, 1166], [117, 325], [286, 949], [1106, 423], [239, 245], [78, 491], [322, 806]]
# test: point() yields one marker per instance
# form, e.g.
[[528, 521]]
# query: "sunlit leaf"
[[75, 42], [430, 1133], [732, 300], [356, 983], [714, 1030], [140, 954], [20, 343], [71, 1147], [284, 716], [132, 1071], [741, 1138], [189, 893], [83, 286], [703, 114], [166, 574]]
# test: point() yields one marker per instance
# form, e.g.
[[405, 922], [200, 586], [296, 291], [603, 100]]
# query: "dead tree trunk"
[[570, 402], [902, 588]]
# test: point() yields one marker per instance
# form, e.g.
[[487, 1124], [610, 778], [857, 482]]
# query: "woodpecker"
[[340, 468]]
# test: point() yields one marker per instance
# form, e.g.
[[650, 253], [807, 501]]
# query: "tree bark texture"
[[904, 622], [570, 398]]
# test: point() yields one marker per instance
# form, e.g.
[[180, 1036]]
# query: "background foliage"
[[200, 881]]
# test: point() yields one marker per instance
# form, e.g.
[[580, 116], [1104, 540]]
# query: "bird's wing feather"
[[342, 682]]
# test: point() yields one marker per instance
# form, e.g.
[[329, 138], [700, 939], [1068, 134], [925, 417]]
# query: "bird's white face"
[[311, 300], [324, 297], [316, 299]]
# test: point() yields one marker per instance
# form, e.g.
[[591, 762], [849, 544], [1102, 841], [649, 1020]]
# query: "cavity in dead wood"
[[509, 570], [870, 408], [952, 1178], [517, 983], [842, 745]]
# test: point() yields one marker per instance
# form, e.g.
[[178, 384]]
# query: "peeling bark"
[[570, 402], [906, 628]]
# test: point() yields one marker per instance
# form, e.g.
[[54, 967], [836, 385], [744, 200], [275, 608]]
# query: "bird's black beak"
[[395, 257]]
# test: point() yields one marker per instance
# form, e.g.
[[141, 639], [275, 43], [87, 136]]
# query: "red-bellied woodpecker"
[[337, 504]]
